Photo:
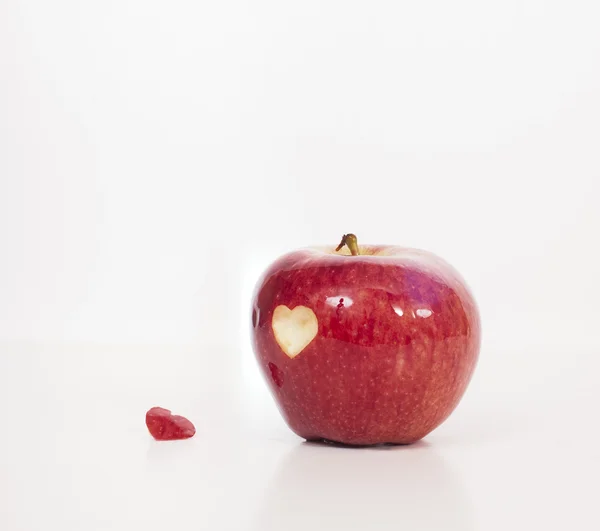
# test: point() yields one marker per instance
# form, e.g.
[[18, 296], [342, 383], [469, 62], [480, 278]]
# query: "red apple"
[[365, 344]]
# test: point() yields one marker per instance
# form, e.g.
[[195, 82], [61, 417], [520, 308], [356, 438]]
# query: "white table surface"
[[520, 452]]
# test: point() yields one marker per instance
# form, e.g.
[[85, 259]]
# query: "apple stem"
[[351, 242]]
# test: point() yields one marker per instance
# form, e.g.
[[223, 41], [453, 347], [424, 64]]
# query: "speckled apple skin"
[[397, 343]]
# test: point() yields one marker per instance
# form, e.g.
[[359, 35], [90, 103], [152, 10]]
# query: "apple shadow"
[[368, 448], [327, 486]]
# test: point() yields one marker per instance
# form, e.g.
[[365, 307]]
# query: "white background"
[[155, 156]]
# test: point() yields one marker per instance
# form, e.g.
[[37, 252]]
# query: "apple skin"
[[397, 342]]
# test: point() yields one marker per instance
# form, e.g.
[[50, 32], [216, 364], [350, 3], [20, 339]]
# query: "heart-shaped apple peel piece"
[[294, 329], [164, 426]]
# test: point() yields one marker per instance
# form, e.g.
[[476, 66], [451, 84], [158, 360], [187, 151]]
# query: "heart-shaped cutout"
[[294, 329], [164, 426]]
